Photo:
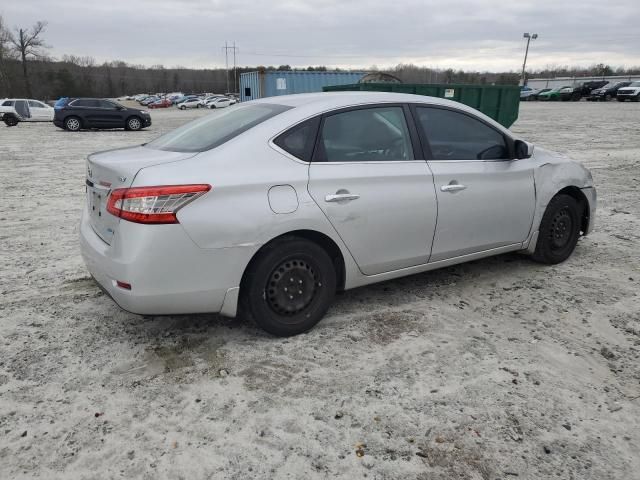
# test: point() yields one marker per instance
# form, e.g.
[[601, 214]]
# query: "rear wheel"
[[133, 123], [607, 97], [289, 287], [72, 124], [559, 230], [10, 120]]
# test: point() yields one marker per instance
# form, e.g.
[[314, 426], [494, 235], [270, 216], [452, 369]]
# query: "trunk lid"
[[113, 169]]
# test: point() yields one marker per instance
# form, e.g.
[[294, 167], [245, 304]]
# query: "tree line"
[[27, 71]]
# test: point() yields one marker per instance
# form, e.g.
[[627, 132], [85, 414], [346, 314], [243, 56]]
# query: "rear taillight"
[[153, 204]]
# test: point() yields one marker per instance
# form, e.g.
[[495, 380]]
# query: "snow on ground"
[[496, 369]]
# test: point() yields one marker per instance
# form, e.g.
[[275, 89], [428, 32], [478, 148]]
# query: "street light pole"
[[526, 53]]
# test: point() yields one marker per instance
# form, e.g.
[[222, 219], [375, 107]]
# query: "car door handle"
[[341, 197], [452, 187]]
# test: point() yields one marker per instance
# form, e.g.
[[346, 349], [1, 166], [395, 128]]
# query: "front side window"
[[457, 136], [374, 134], [36, 104], [214, 130], [106, 104]]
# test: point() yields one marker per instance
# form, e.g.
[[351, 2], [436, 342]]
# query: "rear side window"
[[87, 103], [299, 140], [377, 134], [7, 103], [457, 136], [214, 130]]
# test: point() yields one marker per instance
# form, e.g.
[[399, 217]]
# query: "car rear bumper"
[[167, 271]]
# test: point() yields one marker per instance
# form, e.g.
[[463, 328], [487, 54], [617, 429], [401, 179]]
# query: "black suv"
[[608, 92], [77, 113]]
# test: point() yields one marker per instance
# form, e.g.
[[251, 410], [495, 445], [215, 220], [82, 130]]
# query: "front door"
[[39, 111], [110, 115], [486, 199], [368, 179]]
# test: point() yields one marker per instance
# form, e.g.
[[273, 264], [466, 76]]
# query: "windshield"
[[217, 128]]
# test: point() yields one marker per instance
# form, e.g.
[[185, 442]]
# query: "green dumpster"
[[500, 102]]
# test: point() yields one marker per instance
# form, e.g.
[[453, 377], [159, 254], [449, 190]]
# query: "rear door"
[[486, 199], [369, 179], [22, 109]]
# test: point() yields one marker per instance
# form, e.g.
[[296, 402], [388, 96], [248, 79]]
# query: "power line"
[[226, 49]]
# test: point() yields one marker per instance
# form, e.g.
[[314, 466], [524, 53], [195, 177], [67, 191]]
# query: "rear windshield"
[[217, 128]]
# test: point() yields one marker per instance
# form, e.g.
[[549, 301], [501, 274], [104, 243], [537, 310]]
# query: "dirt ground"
[[496, 369]]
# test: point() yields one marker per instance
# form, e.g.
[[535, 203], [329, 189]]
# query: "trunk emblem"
[[122, 179]]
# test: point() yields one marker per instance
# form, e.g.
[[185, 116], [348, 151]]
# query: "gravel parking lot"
[[496, 369]]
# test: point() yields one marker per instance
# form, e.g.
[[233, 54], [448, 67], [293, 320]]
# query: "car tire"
[[10, 120], [607, 97], [266, 296], [182, 107], [72, 124], [559, 230], [133, 124]]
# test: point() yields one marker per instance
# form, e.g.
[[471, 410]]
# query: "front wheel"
[[289, 287], [133, 124], [559, 230]]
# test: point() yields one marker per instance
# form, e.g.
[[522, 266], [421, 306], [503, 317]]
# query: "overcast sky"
[[480, 34]]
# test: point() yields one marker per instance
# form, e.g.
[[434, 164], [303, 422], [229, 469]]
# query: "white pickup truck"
[[630, 92], [14, 110]]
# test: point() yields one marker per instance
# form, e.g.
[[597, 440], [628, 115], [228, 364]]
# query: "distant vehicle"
[[269, 208], [149, 100], [534, 96], [630, 92], [14, 110], [190, 103], [571, 93], [586, 88], [162, 103], [184, 98], [528, 94], [80, 113], [607, 92], [553, 94], [220, 102]]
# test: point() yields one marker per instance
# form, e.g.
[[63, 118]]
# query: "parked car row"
[[592, 91], [184, 102]]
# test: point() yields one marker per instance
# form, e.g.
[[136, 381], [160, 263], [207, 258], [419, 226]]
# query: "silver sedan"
[[267, 209]]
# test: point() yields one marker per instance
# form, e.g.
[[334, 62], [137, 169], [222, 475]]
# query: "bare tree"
[[5, 53], [28, 44]]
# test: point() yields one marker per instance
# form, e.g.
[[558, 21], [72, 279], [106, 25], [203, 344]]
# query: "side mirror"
[[523, 149]]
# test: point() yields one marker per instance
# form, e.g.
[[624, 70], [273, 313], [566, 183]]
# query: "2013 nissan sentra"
[[267, 209]]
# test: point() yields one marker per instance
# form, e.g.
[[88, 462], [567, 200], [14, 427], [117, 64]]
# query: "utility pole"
[[526, 52], [235, 68], [226, 49]]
